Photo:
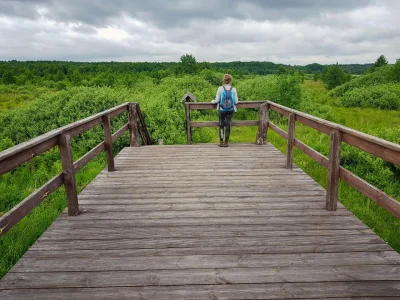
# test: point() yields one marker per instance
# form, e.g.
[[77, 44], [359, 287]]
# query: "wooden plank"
[[179, 232], [93, 264], [375, 147], [108, 143], [332, 190], [278, 130], [200, 206], [69, 175], [247, 229], [319, 126], [344, 290], [216, 123], [15, 156], [194, 243], [204, 214], [339, 247], [133, 126], [279, 110], [130, 194], [347, 132], [220, 221], [77, 130], [201, 276], [120, 132], [263, 124], [19, 211], [290, 142], [84, 160], [379, 197], [306, 119], [313, 154]]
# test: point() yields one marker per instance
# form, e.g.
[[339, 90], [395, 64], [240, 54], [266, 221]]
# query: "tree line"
[[59, 74]]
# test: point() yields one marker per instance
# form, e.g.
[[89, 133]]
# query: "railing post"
[[188, 123], [333, 171], [68, 174], [133, 125], [108, 143], [290, 142], [263, 124]]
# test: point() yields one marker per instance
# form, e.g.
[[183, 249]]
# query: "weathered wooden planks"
[[164, 227]]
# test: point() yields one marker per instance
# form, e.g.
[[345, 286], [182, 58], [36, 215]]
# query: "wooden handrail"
[[338, 134], [261, 123], [19, 154]]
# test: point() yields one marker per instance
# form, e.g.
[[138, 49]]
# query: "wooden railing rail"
[[261, 123], [19, 154], [338, 134]]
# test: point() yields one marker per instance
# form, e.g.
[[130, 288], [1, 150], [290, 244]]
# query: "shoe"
[[226, 144], [221, 144]]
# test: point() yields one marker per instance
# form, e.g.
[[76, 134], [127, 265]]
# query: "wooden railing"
[[338, 134], [204, 105], [15, 156]]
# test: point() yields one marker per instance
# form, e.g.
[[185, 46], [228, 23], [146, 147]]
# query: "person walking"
[[226, 99]]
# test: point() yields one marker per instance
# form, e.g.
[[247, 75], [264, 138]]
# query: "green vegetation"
[[379, 88], [47, 95], [334, 76]]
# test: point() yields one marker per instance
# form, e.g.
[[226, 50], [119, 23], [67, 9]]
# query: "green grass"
[[18, 240], [16, 96]]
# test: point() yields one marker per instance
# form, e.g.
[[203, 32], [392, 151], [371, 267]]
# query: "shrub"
[[334, 76], [384, 96]]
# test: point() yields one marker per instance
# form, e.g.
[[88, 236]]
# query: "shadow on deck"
[[203, 222]]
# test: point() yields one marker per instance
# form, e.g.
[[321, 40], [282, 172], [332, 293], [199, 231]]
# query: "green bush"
[[385, 74], [384, 96], [334, 76]]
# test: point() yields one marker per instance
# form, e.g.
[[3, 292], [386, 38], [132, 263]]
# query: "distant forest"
[[22, 72]]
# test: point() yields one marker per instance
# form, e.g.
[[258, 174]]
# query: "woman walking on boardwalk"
[[227, 99]]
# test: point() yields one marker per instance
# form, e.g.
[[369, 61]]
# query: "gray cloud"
[[287, 31]]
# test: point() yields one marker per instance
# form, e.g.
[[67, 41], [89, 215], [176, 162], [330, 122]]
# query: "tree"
[[380, 62], [76, 77], [188, 64], [395, 72], [334, 76], [8, 78], [316, 76]]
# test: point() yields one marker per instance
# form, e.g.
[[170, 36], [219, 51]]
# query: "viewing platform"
[[203, 222]]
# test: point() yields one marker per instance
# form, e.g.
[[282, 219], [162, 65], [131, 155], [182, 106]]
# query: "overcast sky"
[[284, 31]]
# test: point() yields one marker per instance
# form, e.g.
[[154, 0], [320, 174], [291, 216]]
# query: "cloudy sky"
[[285, 31]]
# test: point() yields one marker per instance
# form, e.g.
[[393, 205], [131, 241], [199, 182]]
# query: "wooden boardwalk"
[[203, 222]]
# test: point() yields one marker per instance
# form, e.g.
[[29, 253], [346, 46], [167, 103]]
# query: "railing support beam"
[[290, 142], [332, 190], [188, 123], [68, 174], [108, 143], [134, 139], [263, 124]]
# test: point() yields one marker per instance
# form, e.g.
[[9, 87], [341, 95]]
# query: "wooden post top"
[[189, 97]]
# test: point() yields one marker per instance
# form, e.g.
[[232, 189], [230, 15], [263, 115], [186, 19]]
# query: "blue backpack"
[[227, 101]]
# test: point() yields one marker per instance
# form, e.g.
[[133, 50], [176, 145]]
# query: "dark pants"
[[225, 119]]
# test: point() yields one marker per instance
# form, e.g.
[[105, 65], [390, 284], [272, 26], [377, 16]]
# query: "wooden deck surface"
[[203, 222]]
